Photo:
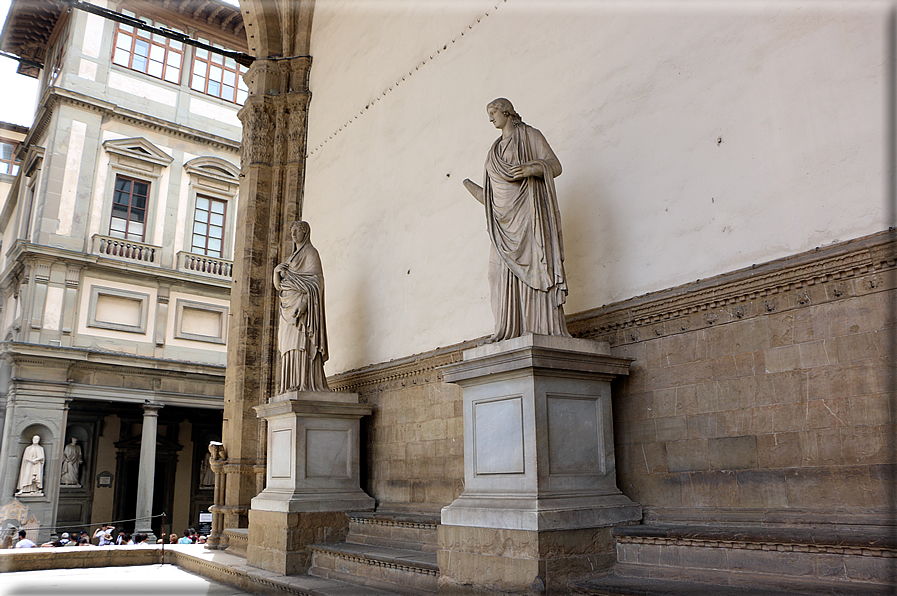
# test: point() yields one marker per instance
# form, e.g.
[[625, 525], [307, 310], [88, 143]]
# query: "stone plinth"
[[312, 477], [539, 466]]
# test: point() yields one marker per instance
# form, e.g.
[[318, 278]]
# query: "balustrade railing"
[[126, 249], [193, 263]]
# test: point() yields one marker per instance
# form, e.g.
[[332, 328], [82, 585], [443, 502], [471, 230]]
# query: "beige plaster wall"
[[696, 138]]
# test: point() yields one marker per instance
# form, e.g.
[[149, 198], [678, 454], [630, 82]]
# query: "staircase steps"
[[674, 560], [616, 585], [394, 551]]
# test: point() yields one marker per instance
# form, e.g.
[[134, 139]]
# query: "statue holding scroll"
[[302, 333], [526, 263]]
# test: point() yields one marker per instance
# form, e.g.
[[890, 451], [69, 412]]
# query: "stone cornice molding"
[[820, 275], [420, 368], [22, 250], [138, 148], [86, 359], [55, 97]]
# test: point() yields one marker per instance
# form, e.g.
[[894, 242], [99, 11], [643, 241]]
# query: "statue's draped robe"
[[31, 475], [526, 265], [71, 464], [302, 335]]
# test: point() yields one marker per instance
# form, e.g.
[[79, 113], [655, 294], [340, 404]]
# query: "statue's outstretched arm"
[[475, 189]]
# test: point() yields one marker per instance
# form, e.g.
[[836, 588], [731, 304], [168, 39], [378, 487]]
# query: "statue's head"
[[35, 439], [505, 107], [299, 231]]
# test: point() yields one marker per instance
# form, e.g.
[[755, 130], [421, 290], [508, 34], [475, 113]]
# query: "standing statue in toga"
[[31, 474], [526, 263], [302, 333], [72, 458]]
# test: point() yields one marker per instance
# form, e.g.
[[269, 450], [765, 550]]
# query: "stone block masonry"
[[760, 395]]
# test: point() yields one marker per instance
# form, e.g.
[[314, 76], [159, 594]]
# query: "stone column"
[[540, 489], [273, 168], [147, 473]]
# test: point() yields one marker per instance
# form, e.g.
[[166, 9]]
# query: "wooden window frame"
[[146, 197], [207, 58], [12, 162], [193, 248], [169, 46]]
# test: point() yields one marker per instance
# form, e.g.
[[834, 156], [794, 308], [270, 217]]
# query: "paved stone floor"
[[142, 580]]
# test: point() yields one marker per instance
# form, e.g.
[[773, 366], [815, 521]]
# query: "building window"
[[147, 52], [8, 162], [208, 226], [129, 209], [213, 74]]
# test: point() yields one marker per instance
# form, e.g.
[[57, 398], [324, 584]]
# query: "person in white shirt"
[[98, 535], [23, 541]]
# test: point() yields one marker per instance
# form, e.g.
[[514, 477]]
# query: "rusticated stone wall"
[[760, 395], [757, 395], [413, 444]]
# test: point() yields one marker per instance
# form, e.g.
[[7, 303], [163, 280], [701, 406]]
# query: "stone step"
[[405, 571], [617, 585], [407, 531], [756, 556]]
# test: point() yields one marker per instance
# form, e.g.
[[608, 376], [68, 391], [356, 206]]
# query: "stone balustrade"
[[126, 249], [194, 263]]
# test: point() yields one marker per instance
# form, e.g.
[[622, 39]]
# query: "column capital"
[[151, 409]]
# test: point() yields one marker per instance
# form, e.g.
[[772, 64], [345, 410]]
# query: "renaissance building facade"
[[116, 262]]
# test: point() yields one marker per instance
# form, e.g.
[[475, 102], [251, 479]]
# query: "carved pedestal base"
[[540, 491], [312, 478]]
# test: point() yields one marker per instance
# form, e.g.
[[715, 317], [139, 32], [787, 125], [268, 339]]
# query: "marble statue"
[[526, 263], [31, 474], [206, 475], [302, 333], [71, 464]]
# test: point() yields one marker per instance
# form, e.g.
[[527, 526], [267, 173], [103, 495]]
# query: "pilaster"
[[274, 121]]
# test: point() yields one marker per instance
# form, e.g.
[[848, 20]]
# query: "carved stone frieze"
[[397, 374], [824, 274], [258, 128]]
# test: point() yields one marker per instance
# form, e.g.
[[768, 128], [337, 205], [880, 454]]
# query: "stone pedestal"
[[312, 478], [540, 483]]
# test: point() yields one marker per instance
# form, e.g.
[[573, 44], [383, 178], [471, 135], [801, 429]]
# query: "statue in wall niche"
[[31, 474], [526, 262], [302, 333], [206, 475], [71, 464]]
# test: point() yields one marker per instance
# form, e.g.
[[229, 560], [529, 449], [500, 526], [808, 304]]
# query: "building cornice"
[[810, 278], [411, 370], [87, 359], [55, 96]]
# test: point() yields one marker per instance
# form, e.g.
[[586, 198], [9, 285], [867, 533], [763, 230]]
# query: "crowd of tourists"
[[105, 536]]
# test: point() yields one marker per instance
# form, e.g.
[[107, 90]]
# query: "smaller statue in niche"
[[302, 333], [206, 475], [31, 474], [72, 458]]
